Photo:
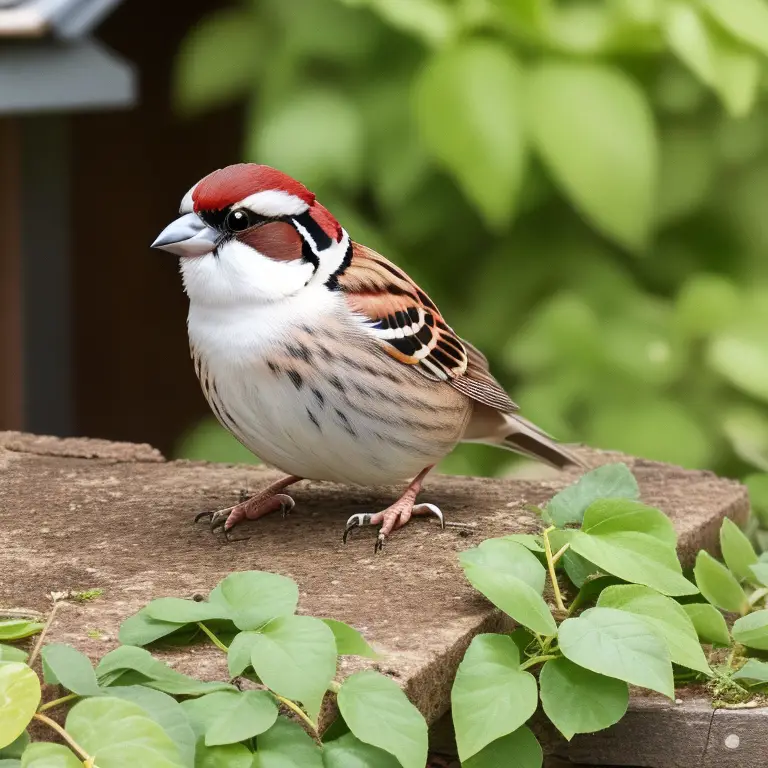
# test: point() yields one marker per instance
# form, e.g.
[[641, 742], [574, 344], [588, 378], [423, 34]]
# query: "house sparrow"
[[322, 357]]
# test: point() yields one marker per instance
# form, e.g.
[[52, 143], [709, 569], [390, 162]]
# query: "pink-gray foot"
[[264, 503], [396, 515]]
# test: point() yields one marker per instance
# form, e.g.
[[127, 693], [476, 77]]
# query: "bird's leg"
[[269, 500], [398, 514]]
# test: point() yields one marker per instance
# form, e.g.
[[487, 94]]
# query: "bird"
[[324, 358]]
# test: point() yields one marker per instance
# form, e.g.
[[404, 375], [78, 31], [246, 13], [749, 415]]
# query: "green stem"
[[39, 643], [334, 687], [299, 712], [86, 758], [551, 566], [758, 595], [215, 640], [560, 552], [57, 702], [538, 660]]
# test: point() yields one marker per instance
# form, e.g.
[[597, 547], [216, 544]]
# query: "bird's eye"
[[239, 220]]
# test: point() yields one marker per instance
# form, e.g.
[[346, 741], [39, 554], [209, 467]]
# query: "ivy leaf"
[[295, 656], [166, 712], [631, 541], [286, 745], [754, 671], [18, 629], [349, 642], [709, 623], [612, 481], [577, 700], [159, 675], [41, 755], [512, 578], [242, 716], [254, 597], [468, 106], [595, 132], [666, 616], [71, 669], [349, 752], [228, 756], [19, 697], [491, 696], [719, 585], [219, 60], [517, 750], [618, 644], [178, 611], [379, 713], [752, 630], [9, 653], [119, 734], [738, 553]]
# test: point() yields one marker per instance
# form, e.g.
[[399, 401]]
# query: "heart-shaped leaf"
[[718, 584], [19, 697], [709, 623], [286, 745], [752, 630], [349, 642], [70, 668], [517, 750], [255, 597], [42, 755]]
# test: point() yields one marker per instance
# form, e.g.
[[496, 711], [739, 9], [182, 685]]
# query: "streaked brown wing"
[[411, 329]]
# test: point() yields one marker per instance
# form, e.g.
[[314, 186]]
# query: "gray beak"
[[187, 236]]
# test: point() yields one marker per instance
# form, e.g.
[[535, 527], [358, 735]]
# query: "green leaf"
[[239, 653], [229, 756], [431, 20], [732, 71], [631, 541], [738, 553], [203, 711], [709, 623], [468, 104], [255, 597], [595, 132], [577, 700], [620, 645], [528, 540], [286, 745], [491, 696], [349, 752], [666, 616], [578, 568], [166, 712], [745, 19], [179, 611], [17, 629], [759, 574], [15, 748], [19, 697], [512, 578], [517, 750], [379, 713], [243, 716], [9, 653], [119, 734], [315, 135], [295, 656], [9, 763], [612, 481], [71, 669], [754, 670], [218, 60], [142, 629], [718, 584], [349, 642], [41, 755], [160, 676], [752, 630]]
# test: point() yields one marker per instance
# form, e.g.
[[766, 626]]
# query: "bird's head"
[[249, 233]]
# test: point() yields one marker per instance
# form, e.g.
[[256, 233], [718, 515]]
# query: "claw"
[[420, 509], [356, 521], [200, 515]]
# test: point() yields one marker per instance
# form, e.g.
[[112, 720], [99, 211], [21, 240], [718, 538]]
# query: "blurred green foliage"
[[581, 186]]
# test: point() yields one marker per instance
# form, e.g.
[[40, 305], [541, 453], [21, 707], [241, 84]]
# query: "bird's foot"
[[391, 519], [264, 503]]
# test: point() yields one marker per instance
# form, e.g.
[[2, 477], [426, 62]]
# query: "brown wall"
[[134, 379]]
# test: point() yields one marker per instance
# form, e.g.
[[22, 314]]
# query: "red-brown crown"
[[229, 185]]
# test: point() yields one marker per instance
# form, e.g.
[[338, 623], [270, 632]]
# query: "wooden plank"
[[11, 347], [61, 517]]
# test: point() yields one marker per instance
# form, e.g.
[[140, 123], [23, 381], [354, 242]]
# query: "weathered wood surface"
[[83, 514]]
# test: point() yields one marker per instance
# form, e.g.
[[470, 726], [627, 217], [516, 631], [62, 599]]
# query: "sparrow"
[[322, 357]]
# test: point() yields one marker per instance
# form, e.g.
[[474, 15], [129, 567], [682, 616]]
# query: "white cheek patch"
[[274, 203]]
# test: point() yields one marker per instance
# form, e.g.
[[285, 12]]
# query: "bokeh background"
[[580, 185]]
